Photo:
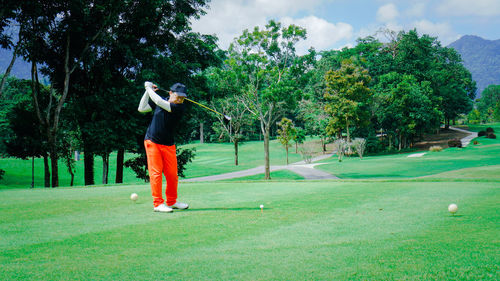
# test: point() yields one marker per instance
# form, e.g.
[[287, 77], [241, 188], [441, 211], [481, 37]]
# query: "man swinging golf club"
[[159, 143]]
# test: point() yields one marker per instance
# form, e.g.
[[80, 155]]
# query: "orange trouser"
[[162, 159]]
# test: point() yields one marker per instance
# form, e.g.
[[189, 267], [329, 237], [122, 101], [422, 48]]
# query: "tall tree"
[[488, 103], [347, 96], [265, 62], [286, 132], [404, 107]]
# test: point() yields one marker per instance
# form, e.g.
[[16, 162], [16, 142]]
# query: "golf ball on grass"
[[134, 197], [453, 208], [262, 206]]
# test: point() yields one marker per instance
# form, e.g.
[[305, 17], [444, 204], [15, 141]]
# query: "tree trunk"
[[9, 68], [53, 160], [296, 148], [347, 128], [286, 148], [46, 170], [201, 132], [236, 152], [119, 165], [400, 140], [88, 160], [105, 168], [266, 152]]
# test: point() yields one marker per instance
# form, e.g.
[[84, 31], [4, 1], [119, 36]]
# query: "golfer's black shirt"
[[164, 124]]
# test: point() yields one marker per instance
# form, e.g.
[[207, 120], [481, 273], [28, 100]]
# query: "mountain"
[[482, 58]]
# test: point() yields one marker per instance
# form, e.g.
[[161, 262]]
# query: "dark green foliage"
[[490, 130], [489, 104], [139, 166], [481, 134], [184, 156], [374, 145], [455, 143], [491, 136], [2, 172]]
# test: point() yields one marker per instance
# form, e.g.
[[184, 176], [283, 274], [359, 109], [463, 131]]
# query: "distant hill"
[[482, 58]]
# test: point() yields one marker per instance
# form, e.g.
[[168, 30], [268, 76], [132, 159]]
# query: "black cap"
[[179, 88]]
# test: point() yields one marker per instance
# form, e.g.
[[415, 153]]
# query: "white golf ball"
[[134, 196], [261, 206], [453, 208]]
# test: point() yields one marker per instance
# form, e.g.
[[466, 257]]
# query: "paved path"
[[465, 141], [301, 168]]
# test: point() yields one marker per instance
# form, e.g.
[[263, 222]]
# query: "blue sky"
[[333, 24]]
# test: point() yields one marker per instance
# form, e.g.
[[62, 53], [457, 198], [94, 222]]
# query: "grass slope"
[[401, 166], [375, 230]]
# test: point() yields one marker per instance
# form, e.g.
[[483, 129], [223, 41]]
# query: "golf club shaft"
[[203, 106]]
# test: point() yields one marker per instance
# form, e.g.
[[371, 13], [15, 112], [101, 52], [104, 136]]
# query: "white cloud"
[[387, 13], [417, 10], [469, 8], [321, 34], [228, 18], [443, 31]]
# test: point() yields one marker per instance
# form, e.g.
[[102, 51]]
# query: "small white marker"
[[261, 208]]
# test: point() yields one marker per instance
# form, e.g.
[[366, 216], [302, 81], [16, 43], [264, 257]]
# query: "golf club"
[[225, 116]]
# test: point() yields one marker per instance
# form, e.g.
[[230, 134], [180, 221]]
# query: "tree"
[[299, 136], [488, 104], [286, 132], [240, 120], [404, 107], [265, 62], [347, 96]]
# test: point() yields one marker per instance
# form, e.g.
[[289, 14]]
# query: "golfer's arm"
[[143, 104], [158, 100]]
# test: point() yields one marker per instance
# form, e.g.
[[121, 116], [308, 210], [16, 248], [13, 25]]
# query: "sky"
[[334, 24]]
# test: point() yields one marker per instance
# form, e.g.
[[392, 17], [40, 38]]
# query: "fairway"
[[378, 230]]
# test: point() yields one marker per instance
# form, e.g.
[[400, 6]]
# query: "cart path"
[[301, 168], [465, 141]]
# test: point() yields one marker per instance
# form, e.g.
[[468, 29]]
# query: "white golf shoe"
[[163, 208], [179, 205]]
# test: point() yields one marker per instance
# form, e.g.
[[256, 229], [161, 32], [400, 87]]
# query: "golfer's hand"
[[155, 88]]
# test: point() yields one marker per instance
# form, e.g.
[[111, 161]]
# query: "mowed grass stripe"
[[322, 239], [234, 222], [233, 240]]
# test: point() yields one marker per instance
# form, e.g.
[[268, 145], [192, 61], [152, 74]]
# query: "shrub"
[[360, 146], [341, 147], [307, 151], [475, 142], [491, 136], [489, 130], [435, 148], [481, 134], [455, 143]]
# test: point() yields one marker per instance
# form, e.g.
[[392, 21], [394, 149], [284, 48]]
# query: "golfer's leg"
[[155, 168], [170, 171]]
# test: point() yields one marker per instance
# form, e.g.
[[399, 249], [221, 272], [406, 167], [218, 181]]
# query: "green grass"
[[486, 153], [18, 172], [275, 176], [328, 230], [482, 127], [219, 157], [386, 219]]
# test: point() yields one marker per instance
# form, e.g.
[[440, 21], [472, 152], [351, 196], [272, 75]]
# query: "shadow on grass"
[[225, 209]]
